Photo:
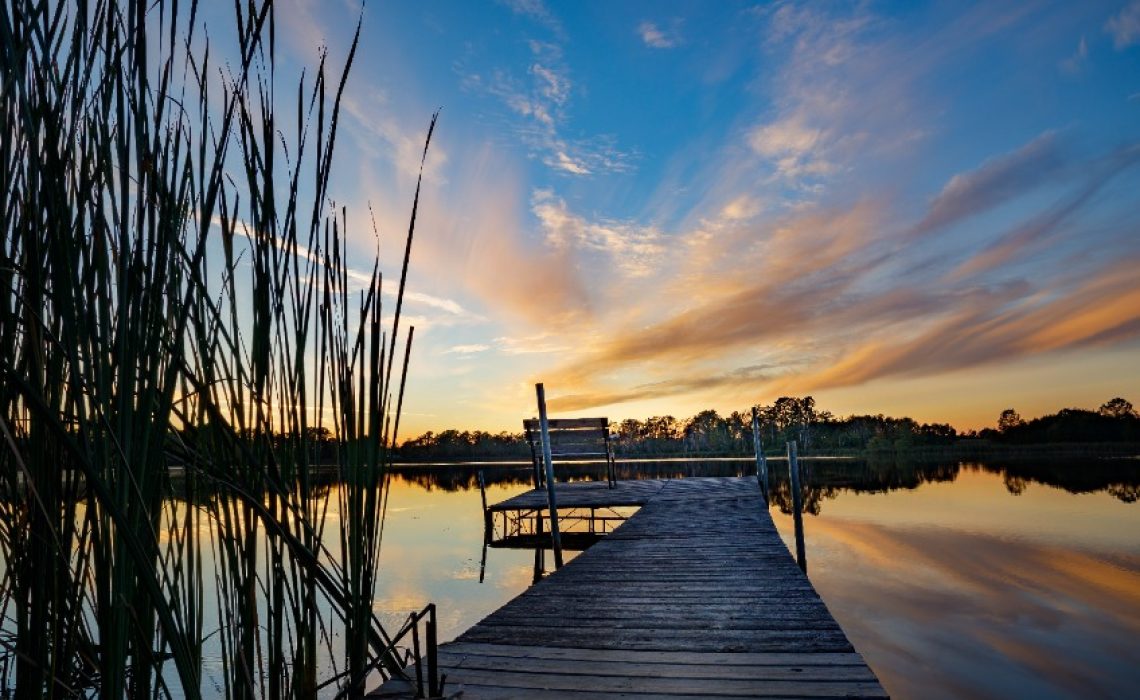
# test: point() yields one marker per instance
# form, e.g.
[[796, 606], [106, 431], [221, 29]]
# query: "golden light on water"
[[983, 579]]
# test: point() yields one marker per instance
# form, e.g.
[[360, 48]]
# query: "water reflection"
[[954, 579], [825, 478], [942, 612]]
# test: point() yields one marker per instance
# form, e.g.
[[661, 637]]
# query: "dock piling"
[[797, 504], [434, 689], [488, 525], [761, 463], [548, 461]]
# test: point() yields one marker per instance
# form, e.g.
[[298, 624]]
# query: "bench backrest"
[[569, 438]]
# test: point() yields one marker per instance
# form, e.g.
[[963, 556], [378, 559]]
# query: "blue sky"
[[658, 207]]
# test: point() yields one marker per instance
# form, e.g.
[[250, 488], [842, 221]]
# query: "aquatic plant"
[[174, 291]]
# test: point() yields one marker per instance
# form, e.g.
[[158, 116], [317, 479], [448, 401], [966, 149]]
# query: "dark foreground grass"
[[174, 288]]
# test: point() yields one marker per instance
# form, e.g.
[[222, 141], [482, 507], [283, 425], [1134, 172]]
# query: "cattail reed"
[[191, 389]]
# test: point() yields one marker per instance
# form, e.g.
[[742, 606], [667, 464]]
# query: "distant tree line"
[[788, 418], [1114, 421], [465, 445], [793, 418]]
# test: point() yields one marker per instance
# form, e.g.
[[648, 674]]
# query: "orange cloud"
[[478, 241], [1105, 307]]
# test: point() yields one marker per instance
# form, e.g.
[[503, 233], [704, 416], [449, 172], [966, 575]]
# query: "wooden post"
[[611, 468], [797, 505], [418, 656], [434, 689], [539, 564], [539, 552], [483, 563], [487, 524], [548, 461], [761, 463], [534, 462]]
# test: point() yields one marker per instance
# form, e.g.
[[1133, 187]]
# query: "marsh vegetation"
[[174, 290]]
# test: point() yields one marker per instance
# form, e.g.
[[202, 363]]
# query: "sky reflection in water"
[[951, 588]]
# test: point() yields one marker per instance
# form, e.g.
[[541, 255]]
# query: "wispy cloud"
[[845, 89], [741, 208], [656, 37], [1076, 62], [995, 182], [535, 10], [1124, 27], [479, 242], [534, 344], [632, 248], [552, 85], [471, 349], [1003, 324], [387, 140], [749, 375], [767, 296], [793, 148], [443, 304], [543, 99], [1046, 226], [561, 160], [813, 126], [359, 279]]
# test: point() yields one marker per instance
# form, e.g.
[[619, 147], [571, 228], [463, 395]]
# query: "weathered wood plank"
[[596, 606], [648, 621], [496, 693], [659, 657], [673, 597], [670, 686], [665, 639], [633, 669]]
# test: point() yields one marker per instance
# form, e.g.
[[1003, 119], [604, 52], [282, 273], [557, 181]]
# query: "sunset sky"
[[914, 209]]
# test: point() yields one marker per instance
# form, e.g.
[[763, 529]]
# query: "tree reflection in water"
[[825, 478]]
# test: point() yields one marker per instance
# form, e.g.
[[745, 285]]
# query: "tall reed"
[[174, 289]]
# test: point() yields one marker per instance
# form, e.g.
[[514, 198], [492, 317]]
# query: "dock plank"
[[695, 595], [543, 683], [635, 669]]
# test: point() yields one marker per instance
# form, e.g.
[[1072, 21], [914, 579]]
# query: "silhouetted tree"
[[1008, 420], [706, 431], [1117, 408]]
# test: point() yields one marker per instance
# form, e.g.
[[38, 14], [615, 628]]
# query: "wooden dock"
[[693, 596]]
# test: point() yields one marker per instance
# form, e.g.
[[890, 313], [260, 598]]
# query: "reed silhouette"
[[177, 325]]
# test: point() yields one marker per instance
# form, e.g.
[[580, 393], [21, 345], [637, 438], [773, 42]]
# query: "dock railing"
[[420, 659]]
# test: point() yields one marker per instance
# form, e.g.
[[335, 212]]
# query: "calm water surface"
[[953, 580]]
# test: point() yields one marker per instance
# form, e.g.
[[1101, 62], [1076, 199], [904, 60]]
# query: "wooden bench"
[[571, 438]]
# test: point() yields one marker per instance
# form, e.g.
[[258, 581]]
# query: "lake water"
[[952, 579]]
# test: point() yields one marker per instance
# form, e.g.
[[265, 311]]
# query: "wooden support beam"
[[761, 463], [548, 461], [797, 504]]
